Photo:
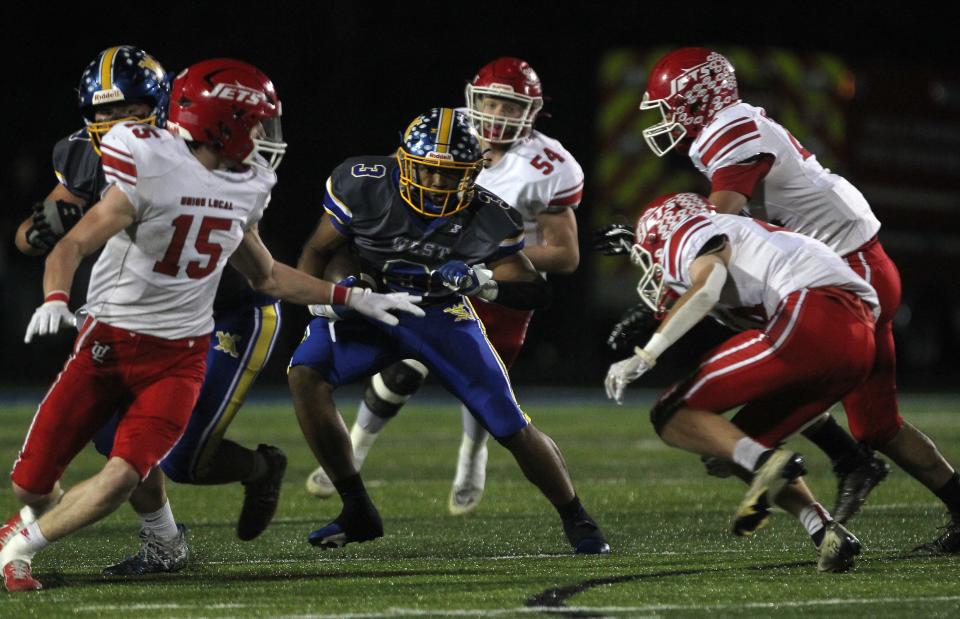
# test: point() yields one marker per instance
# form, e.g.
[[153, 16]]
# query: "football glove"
[[48, 318], [51, 220], [378, 306], [636, 325], [614, 240], [463, 279], [337, 312], [622, 373]]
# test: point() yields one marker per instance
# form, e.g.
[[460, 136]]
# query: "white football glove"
[[48, 318], [378, 306], [622, 373]]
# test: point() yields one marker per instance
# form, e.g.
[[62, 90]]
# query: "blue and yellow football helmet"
[[440, 159], [122, 74]]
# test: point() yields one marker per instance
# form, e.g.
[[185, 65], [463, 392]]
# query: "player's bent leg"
[[385, 395]]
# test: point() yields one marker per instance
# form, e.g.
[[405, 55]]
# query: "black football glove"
[[613, 240], [635, 327]]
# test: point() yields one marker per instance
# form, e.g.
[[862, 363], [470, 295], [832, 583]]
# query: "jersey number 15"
[[170, 264]]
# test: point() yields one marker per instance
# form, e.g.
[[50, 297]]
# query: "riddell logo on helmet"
[[440, 156], [107, 96], [238, 93]]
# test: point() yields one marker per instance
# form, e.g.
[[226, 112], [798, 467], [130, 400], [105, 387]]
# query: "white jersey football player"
[[746, 154], [536, 175], [175, 209]]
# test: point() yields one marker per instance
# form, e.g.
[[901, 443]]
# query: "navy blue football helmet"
[[122, 74], [440, 159]]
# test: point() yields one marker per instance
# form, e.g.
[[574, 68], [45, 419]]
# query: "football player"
[[419, 222], [537, 176], [745, 154], [193, 196], [817, 344], [125, 83]]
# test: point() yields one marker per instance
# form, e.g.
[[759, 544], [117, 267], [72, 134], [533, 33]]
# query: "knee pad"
[[392, 387]]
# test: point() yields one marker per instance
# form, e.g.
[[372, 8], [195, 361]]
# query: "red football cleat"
[[17, 577], [9, 529]]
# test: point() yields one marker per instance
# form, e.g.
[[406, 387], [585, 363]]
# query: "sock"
[[747, 453], [350, 487], [814, 519], [833, 440], [569, 511], [29, 542], [362, 438], [950, 494], [160, 522], [260, 468], [368, 420], [472, 427], [28, 515]]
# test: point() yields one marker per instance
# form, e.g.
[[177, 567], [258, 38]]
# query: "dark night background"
[[351, 75]]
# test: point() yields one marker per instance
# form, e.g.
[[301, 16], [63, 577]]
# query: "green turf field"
[[666, 521]]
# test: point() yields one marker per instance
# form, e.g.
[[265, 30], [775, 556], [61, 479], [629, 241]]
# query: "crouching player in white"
[[176, 208], [537, 176]]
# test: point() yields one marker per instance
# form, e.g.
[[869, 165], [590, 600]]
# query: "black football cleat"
[[947, 543], [260, 497], [585, 535], [855, 480]]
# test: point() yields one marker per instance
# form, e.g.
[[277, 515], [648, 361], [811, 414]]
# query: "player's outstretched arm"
[[266, 275], [708, 273]]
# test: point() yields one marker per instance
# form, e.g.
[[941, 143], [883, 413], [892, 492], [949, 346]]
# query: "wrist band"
[[57, 295], [340, 296]]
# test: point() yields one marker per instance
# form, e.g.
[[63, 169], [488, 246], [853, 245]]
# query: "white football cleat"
[[319, 484], [471, 477]]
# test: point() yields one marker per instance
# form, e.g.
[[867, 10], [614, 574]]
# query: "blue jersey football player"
[[125, 83], [417, 222]]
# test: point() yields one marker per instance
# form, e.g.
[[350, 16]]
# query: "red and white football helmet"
[[230, 105], [658, 221], [689, 86], [505, 78]]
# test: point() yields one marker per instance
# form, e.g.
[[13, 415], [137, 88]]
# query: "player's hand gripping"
[[622, 373], [49, 317], [614, 240], [459, 277], [51, 219], [378, 306], [636, 324]]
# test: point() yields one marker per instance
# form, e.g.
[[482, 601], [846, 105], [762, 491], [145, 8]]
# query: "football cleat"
[[17, 576], [779, 469], [261, 497], [855, 483], [585, 535], [471, 477], [155, 555], [838, 548], [10, 528], [319, 484], [337, 535], [947, 543]]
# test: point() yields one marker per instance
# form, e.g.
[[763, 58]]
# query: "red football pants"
[[506, 328], [871, 408], [153, 382], [817, 348]]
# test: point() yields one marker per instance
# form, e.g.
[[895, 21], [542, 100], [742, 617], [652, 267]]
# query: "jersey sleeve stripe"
[[724, 137], [505, 250], [112, 175], [710, 138], [123, 167], [578, 188], [116, 152], [514, 240], [571, 200], [678, 243], [333, 205], [740, 142]]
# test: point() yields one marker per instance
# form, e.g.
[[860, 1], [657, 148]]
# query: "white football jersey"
[[766, 265], [536, 175], [798, 192], [159, 276]]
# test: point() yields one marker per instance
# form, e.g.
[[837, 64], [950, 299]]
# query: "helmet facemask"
[[498, 128], [650, 286], [426, 197], [267, 138], [666, 134]]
